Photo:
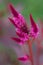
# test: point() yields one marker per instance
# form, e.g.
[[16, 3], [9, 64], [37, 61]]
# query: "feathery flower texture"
[[22, 29]]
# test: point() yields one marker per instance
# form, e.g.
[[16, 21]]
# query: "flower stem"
[[30, 50], [38, 51], [37, 60]]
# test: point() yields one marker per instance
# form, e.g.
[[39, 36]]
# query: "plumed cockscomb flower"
[[22, 29]]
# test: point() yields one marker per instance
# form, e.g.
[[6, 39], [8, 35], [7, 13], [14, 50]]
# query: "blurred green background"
[[29, 6]]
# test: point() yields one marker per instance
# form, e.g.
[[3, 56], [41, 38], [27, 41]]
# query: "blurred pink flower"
[[22, 29]]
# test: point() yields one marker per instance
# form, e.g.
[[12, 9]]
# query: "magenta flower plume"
[[15, 14], [20, 24], [22, 29], [34, 28]]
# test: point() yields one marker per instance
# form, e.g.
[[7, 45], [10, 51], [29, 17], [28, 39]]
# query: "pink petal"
[[13, 22], [33, 24], [25, 58], [14, 12], [19, 34], [16, 39]]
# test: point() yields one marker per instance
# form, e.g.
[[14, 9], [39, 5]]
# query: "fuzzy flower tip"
[[20, 24], [34, 27]]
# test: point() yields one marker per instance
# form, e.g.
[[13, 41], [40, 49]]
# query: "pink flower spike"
[[14, 12], [25, 58], [13, 22], [34, 26], [18, 40]]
